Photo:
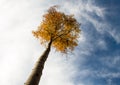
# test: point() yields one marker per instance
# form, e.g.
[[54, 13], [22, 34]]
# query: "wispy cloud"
[[111, 61]]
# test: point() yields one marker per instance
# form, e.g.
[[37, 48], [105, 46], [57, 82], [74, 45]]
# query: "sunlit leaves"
[[62, 29]]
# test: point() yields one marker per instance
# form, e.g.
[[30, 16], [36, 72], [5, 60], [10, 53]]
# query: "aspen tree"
[[57, 30]]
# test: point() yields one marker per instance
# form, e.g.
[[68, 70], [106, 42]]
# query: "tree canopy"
[[63, 30]]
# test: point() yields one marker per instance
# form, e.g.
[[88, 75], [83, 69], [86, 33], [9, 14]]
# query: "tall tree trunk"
[[36, 74]]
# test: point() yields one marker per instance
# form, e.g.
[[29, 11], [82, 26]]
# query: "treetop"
[[62, 29]]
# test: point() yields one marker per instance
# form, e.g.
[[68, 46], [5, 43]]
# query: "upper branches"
[[62, 29]]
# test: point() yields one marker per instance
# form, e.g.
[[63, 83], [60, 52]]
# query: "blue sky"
[[94, 62], [102, 64]]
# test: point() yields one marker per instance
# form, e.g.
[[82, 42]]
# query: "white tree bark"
[[36, 73]]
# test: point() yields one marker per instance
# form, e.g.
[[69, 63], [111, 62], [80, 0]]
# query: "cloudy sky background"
[[94, 62]]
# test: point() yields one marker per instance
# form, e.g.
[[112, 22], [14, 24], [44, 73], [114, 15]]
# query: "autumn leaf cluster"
[[63, 30]]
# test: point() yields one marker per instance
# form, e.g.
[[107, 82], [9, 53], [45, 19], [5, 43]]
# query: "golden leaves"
[[62, 29]]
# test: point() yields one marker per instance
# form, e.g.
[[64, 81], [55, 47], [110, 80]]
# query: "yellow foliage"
[[62, 29]]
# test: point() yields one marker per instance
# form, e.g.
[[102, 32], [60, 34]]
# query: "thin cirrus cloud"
[[19, 49], [100, 40]]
